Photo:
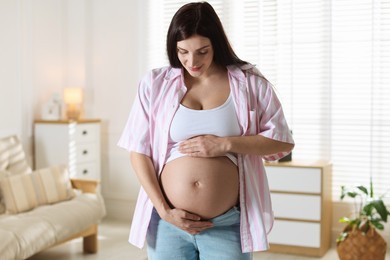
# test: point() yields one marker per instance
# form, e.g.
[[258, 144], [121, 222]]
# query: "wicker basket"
[[362, 246]]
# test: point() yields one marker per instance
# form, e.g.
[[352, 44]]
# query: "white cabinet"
[[72, 143], [301, 200]]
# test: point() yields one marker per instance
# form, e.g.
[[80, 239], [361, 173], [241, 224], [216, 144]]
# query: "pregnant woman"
[[197, 134]]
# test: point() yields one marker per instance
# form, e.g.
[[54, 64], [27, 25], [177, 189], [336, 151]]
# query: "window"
[[360, 64], [329, 61]]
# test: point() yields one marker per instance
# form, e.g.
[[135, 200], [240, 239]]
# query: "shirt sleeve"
[[136, 134], [272, 122]]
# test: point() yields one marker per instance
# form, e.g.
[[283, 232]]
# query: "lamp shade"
[[73, 95]]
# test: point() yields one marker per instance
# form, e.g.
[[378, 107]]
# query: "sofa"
[[43, 208]]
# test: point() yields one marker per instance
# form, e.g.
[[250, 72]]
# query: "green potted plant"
[[360, 239]]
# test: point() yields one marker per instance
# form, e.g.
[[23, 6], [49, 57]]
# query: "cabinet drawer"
[[86, 132], [294, 233], [86, 171], [86, 152], [304, 207], [294, 179]]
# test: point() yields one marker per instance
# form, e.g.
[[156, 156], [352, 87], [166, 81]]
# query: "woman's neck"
[[214, 71]]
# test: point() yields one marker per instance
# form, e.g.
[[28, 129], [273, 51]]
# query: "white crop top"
[[187, 123]]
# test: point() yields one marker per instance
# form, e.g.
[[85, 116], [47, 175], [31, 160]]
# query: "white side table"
[[302, 205], [72, 143]]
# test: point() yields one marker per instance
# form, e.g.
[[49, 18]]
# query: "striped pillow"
[[12, 161], [4, 155], [24, 192], [17, 163], [12, 155]]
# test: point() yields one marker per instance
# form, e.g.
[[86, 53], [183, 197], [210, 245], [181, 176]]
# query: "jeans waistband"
[[230, 217]]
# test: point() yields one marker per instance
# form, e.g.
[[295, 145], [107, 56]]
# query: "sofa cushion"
[[73, 216], [46, 225], [25, 234], [24, 192], [8, 247]]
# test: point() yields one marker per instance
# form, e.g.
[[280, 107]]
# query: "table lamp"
[[73, 99]]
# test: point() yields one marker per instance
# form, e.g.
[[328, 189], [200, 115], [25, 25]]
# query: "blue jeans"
[[222, 241]]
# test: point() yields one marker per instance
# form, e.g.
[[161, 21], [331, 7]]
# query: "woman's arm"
[[146, 175], [213, 146]]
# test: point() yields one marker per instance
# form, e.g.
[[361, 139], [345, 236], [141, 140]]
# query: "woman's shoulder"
[[251, 70], [156, 80], [248, 70]]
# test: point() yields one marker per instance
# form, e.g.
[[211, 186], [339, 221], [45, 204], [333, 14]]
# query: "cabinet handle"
[[85, 132], [85, 171], [85, 152]]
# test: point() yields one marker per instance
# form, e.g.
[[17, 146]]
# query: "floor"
[[113, 245]]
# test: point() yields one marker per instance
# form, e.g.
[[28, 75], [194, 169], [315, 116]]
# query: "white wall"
[[115, 69], [31, 60], [10, 85]]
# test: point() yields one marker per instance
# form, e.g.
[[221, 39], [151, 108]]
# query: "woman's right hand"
[[186, 221]]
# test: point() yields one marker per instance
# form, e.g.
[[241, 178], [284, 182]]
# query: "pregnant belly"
[[204, 186]]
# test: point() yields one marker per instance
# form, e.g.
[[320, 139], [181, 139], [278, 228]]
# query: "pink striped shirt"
[[259, 112]]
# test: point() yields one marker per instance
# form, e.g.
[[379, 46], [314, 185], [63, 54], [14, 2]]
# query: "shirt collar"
[[173, 73], [238, 71]]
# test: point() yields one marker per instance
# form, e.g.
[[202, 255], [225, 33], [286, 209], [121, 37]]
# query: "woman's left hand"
[[204, 146]]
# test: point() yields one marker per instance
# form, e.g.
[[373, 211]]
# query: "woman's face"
[[195, 54]]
